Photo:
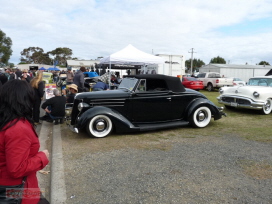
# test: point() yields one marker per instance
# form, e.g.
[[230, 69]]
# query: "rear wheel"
[[99, 126], [210, 87], [267, 107], [201, 117]]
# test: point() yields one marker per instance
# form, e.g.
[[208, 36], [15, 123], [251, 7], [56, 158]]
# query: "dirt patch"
[[257, 170]]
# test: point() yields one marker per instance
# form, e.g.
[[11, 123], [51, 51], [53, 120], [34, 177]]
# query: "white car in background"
[[257, 94], [238, 81]]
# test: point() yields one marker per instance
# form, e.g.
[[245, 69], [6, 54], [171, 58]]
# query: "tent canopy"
[[42, 68], [131, 55], [53, 69]]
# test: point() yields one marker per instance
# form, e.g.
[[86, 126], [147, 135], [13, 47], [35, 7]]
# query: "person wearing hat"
[[72, 88]]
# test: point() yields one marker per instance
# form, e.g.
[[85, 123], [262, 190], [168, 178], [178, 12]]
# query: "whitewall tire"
[[99, 126], [201, 117]]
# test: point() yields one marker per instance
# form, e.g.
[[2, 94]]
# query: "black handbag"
[[12, 194]]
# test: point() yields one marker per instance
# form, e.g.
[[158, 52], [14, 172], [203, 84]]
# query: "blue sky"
[[240, 31], [247, 28]]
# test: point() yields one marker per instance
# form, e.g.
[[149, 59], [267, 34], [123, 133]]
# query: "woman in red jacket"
[[19, 143]]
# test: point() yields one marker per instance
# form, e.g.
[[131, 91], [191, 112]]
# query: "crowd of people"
[[21, 95]]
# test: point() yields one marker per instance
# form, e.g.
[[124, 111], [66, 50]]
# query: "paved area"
[[156, 167]]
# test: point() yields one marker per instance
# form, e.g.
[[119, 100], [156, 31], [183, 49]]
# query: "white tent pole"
[[110, 75]]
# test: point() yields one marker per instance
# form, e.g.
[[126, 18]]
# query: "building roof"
[[81, 63], [245, 66]]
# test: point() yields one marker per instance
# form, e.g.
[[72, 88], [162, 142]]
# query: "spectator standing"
[[55, 76], [79, 79], [12, 75], [55, 107], [18, 73], [7, 73], [25, 76], [38, 86], [3, 78], [20, 158], [70, 76]]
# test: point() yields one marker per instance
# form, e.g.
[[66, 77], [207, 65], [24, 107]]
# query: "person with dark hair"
[[20, 157], [18, 73], [38, 85], [79, 79], [3, 78]]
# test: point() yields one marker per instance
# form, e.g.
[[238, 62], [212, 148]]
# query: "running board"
[[155, 126]]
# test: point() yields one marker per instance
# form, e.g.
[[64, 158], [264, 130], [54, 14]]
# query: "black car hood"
[[103, 94]]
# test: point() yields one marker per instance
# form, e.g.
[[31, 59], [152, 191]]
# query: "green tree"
[[263, 63], [61, 54], [197, 63], [31, 55], [5, 48], [218, 60]]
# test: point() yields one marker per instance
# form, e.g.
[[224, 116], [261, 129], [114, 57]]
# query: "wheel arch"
[[120, 123], [202, 102]]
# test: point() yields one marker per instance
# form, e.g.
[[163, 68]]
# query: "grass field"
[[250, 124]]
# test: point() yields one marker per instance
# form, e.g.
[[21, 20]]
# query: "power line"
[[192, 53]]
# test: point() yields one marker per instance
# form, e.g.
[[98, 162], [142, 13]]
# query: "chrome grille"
[[236, 100]]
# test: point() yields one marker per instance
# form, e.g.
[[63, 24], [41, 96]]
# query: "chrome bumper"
[[253, 104]]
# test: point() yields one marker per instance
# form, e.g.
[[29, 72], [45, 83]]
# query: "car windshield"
[[260, 82], [128, 83]]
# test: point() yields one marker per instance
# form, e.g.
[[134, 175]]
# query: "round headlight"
[[256, 94], [221, 91], [82, 105]]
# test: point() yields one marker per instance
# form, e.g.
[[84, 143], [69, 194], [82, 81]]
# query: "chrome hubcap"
[[201, 116], [267, 105], [100, 126]]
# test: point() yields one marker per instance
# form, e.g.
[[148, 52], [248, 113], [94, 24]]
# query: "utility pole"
[[192, 53]]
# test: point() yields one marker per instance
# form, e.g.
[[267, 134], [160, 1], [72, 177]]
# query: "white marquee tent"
[[131, 56]]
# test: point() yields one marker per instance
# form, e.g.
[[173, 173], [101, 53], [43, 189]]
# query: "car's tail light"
[[217, 81]]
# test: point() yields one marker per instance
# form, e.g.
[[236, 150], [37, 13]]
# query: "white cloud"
[[98, 28]]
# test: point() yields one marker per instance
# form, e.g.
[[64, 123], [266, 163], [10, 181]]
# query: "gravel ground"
[[210, 169]]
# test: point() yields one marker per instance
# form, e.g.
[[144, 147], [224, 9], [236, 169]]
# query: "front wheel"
[[267, 107], [201, 117], [99, 126]]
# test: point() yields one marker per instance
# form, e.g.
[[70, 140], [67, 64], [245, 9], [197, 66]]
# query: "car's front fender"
[[120, 122], [203, 102]]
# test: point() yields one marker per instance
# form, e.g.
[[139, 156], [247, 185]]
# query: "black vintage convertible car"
[[142, 103]]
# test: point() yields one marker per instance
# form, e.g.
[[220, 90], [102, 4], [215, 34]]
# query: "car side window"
[[142, 86], [156, 85]]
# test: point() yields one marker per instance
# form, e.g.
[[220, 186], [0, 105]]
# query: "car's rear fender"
[[121, 124], [202, 102]]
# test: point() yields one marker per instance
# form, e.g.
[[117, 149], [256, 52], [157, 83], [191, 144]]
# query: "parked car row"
[[152, 102]]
